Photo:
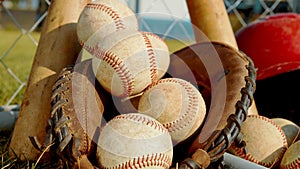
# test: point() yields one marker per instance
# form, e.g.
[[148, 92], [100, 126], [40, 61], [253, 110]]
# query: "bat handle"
[[199, 160]]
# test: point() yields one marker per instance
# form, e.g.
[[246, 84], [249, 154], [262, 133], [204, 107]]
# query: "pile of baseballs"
[[129, 63]]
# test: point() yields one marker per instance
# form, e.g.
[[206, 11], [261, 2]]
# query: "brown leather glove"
[[76, 116], [226, 79]]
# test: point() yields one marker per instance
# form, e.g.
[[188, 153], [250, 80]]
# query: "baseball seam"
[[85, 145], [188, 116], [118, 65], [152, 59], [156, 37], [111, 12], [144, 120], [157, 159], [293, 164], [251, 158]]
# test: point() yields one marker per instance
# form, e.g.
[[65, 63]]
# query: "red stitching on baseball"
[[156, 37], [112, 13], [188, 116], [152, 59], [118, 65], [143, 120], [85, 120], [293, 164], [249, 157], [157, 159]]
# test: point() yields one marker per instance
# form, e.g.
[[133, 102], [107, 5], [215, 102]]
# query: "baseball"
[[291, 158], [134, 141], [175, 103], [290, 129], [105, 17], [265, 141], [126, 62]]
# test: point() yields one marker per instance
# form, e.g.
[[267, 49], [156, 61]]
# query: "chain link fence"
[[25, 17]]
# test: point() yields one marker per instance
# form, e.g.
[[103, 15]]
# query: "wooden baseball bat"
[[58, 47], [211, 18]]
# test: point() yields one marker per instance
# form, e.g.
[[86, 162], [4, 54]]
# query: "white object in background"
[[234, 162], [7, 4]]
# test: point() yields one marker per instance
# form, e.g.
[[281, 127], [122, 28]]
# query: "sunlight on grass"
[[175, 45], [16, 59]]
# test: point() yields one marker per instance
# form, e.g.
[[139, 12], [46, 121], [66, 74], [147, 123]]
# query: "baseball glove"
[[76, 116], [226, 79]]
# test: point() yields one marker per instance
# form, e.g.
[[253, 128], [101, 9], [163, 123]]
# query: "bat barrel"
[[210, 17]]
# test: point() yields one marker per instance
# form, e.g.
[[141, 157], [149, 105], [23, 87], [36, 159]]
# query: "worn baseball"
[[126, 62], [175, 103], [134, 141], [291, 158], [290, 129], [265, 142], [105, 17]]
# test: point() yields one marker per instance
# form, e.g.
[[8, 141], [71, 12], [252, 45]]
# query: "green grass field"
[[18, 59]]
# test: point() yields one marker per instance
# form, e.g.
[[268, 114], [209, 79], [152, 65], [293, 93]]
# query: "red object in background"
[[273, 43]]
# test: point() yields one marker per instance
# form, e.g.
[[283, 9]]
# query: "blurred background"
[[21, 22]]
